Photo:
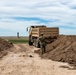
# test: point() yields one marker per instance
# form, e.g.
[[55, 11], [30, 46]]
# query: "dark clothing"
[[42, 44], [42, 40], [43, 48]]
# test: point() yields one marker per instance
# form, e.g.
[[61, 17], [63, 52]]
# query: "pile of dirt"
[[4, 45], [63, 49]]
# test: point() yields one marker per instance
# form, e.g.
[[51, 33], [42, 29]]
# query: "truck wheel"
[[30, 43]]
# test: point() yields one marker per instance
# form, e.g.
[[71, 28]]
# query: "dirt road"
[[22, 60]]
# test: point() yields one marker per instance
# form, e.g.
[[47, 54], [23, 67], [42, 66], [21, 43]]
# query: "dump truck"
[[50, 33]]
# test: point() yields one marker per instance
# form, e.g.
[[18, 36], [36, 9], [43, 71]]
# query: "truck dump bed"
[[53, 31]]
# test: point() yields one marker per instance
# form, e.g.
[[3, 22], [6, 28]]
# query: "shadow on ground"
[[68, 67]]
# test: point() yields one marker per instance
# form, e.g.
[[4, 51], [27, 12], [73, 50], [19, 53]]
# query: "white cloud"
[[62, 10]]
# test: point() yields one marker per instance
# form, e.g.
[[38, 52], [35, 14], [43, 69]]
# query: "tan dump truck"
[[50, 33]]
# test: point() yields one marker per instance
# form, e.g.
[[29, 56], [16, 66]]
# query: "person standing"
[[42, 43]]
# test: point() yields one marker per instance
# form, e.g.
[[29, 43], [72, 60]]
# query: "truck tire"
[[30, 43]]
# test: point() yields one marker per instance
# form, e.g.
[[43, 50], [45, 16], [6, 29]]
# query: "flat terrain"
[[16, 40], [21, 60]]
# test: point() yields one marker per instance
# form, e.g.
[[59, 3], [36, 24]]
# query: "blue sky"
[[16, 15]]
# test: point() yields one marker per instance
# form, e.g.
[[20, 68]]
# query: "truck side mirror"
[[27, 29]]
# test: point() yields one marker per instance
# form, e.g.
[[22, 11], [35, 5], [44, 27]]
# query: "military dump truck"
[[50, 33]]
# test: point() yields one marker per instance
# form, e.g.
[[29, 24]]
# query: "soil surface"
[[62, 50], [4, 46], [21, 60]]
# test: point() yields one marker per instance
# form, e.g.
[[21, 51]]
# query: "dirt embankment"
[[4, 45], [63, 49]]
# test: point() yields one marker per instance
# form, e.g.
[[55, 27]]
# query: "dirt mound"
[[4, 45], [63, 49]]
